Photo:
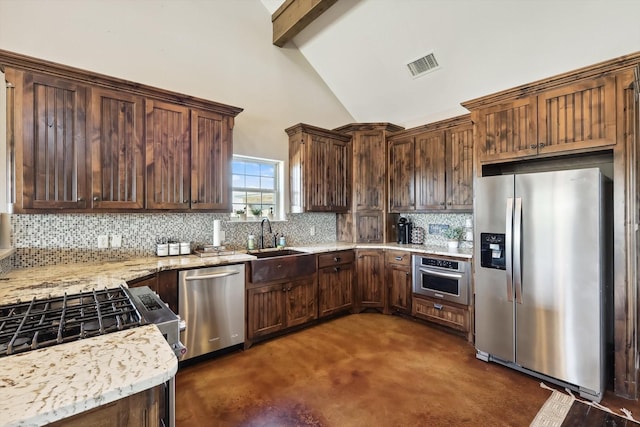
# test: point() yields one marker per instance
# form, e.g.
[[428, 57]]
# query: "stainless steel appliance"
[[441, 278], [542, 271], [45, 322], [404, 230], [211, 301]]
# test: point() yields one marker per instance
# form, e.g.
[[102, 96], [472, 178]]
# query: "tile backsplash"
[[69, 238], [49, 239]]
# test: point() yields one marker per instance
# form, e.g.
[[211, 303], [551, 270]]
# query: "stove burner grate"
[[49, 321]]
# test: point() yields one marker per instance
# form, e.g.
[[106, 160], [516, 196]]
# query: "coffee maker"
[[404, 230]]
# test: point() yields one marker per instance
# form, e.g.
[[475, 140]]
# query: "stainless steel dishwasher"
[[211, 301]]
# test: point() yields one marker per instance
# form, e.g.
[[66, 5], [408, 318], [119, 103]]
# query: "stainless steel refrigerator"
[[542, 275]]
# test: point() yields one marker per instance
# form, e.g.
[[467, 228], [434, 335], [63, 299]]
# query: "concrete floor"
[[359, 370]]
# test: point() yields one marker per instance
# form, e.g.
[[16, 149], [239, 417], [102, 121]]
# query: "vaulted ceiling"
[[360, 48]]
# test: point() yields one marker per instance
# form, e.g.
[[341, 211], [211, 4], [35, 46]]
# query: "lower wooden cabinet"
[[276, 306], [399, 281], [370, 290], [138, 410], [448, 314], [335, 282]]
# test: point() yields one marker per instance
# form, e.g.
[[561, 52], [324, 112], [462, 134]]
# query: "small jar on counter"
[[251, 242], [174, 248], [281, 242]]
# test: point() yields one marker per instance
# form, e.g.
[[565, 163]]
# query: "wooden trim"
[[314, 130], [593, 71], [27, 63], [294, 16], [431, 127], [355, 127]]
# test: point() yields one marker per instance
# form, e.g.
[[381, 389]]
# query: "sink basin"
[[280, 265], [275, 253]]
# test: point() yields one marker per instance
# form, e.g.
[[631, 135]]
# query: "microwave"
[[441, 278]]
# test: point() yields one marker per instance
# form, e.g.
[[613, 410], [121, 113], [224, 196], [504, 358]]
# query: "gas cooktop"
[[45, 322]]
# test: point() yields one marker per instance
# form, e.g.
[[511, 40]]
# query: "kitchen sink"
[[275, 253], [280, 264]]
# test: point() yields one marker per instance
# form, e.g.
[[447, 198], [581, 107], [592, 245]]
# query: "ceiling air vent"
[[423, 65]]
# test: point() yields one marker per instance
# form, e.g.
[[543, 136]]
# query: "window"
[[256, 185]]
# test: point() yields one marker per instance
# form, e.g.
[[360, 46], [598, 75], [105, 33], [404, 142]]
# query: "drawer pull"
[[336, 269], [336, 259], [399, 258], [438, 306]]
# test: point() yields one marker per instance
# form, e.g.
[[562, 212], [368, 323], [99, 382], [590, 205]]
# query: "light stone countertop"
[[53, 383]]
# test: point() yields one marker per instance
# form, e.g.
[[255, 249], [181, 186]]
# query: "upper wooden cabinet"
[[211, 156], [85, 142], [546, 118], [431, 167], [168, 157], [320, 176], [116, 130], [50, 123]]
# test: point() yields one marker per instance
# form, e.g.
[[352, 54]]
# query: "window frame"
[[278, 191]]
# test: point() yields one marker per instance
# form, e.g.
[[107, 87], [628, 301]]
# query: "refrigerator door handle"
[[507, 248], [517, 252]]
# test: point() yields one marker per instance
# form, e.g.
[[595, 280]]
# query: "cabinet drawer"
[[335, 258], [442, 313], [397, 257]]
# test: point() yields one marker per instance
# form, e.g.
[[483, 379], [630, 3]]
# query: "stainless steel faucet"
[[262, 231]]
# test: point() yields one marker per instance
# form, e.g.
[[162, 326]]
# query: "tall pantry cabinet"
[[84, 142], [367, 220]]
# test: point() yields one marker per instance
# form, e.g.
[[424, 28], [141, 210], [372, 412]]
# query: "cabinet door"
[[579, 116], [301, 297], [459, 168], [315, 174], [211, 153], [54, 160], [369, 170], [430, 171], [265, 310], [167, 156], [370, 282], [369, 227], [168, 288], [399, 282], [338, 178], [335, 289], [507, 131], [401, 175], [116, 125]]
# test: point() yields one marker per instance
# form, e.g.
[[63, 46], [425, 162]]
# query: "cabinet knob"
[[81, 199], [407, 273], [336, 259], [533, 146], [96, 198], [399, 258], [195, 201], [542, 144], [438, 306], [336, 269], [185, 201], [441, 203]]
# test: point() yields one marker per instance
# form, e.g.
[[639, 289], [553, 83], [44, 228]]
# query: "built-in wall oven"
[[442, 278]]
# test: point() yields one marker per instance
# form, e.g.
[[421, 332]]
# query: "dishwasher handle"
[[211, 276]]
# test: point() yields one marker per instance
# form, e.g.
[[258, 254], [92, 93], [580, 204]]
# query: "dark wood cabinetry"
[[336, 274], [116, 139], [319, 172], [211, 156], [138, 410], [431, 167], [368, 220], [399, 281], [370, 288], [279, 305], [446, 314], [84, 142], [51, 128]]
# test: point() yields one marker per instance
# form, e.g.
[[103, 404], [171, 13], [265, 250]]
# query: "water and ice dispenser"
[[492, 251]]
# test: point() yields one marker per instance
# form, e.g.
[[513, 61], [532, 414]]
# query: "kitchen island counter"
[[53, 383]]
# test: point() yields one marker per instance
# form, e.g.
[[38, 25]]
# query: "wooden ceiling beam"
[[293, 16]]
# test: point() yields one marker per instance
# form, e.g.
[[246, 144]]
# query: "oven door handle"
[[211, 276], [441, 274]]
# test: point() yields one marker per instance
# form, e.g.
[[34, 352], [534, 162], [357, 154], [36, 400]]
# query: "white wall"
[[218, 50], [3, 146]]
